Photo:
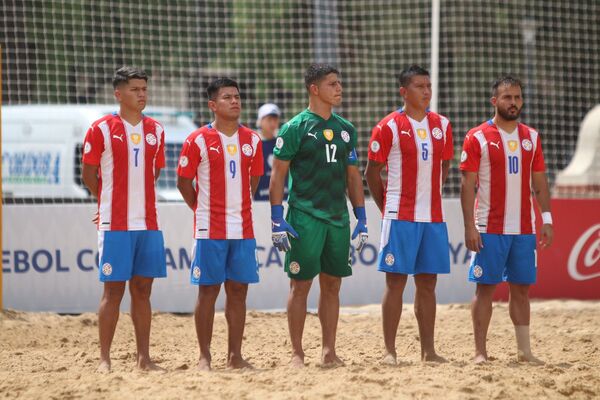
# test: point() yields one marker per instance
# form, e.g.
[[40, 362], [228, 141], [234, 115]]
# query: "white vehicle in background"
[[41, 149]]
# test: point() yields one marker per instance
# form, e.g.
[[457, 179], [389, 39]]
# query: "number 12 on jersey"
[[330, 150]]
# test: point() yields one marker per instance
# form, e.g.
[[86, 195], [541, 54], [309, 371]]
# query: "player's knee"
[[113, 292], [140, 289], [236, 290]]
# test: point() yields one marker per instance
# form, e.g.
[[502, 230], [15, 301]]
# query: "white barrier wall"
[[49, 262]]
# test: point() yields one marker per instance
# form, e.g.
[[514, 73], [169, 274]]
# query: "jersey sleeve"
[[381, 143], [257, 166], [93, 146], [471, 154], [448, 152], [353, 154], [538, 164], [288, 142], [160, 157], [189, 159]]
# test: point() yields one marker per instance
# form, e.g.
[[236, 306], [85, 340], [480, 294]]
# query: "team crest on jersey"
[[106, 269], [477, 271], [345, 136], [389, 259], [294, 267], [513, 145], [328, 133], [463, 156], [150, 139], [183, 161], [232, 149], [87, 148], [136, 138], [422, 133], [527, 145], [247, 150], [437, 133], [196, 272], [279, 142], [375, 146]]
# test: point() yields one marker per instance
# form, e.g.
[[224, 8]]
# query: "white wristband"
[[547, 217]]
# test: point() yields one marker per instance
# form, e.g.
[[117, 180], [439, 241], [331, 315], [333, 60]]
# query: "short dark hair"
[[407, 73], [126, 73], [213, 87], [509, 80], [317, 71]]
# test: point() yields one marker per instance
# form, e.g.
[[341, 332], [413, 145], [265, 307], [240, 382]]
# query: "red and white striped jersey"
[[413, 152], [128, 156], [222, 166], [504, 162]]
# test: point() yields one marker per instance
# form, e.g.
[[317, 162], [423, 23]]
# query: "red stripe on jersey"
[[526, 160], [218, 197], [120, 150], [150, 151], [497, 156], [410, 169], [245, 139], [438, 145]]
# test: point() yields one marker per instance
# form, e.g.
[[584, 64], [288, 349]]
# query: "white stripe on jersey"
[[233, 184], [394, 180], [106, 166], [203, 185], [512, 200], [424, 169], [136, 192]]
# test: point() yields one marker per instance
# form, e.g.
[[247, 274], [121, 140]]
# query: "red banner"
[[570, 267]]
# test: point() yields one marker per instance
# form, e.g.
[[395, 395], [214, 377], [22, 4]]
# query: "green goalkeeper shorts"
[[321, 247]]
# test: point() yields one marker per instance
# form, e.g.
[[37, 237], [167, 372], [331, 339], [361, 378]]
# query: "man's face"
[[227, 104], [508, 102], [417, 93], [133, 94], [269, 125], [329, 90]]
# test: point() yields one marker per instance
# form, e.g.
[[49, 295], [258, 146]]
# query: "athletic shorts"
[[321, 247], [216, 261], [414, 247], [504, 258], [123, 254]]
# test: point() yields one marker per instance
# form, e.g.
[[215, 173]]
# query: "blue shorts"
[[123, 254], [414, 247], [504, 258], [215, 261]]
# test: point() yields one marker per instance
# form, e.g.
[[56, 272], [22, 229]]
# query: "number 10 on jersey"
[[330, 150]]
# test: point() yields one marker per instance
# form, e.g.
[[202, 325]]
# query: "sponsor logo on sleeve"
[[375, 146], [183, 161], [279, 142], [87, 148], [463, 156]]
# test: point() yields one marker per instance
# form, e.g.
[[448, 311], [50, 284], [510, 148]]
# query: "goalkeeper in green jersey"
[[318, 148]]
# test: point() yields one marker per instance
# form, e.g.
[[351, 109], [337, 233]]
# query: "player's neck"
[[505, 125], [323, 110], [415, 113], [226, 127], [133, 117]]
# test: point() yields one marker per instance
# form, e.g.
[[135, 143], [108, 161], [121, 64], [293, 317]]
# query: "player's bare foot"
[[389, 359], [238, 363], [523, 357], [150, 366], [330, 360], [103, 367], [297, 361], [480, 359], [203, 364], [433, 357]]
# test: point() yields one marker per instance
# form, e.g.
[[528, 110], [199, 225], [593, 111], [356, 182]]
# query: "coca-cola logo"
[[584, 260]]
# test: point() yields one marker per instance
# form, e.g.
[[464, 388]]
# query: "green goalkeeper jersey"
[[319, 152]]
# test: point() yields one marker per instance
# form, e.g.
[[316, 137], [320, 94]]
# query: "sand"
[[48, 356]]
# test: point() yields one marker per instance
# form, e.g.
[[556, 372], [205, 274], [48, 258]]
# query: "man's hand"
[[473, 239], [547, 235], [360, 229], [280, 229]]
